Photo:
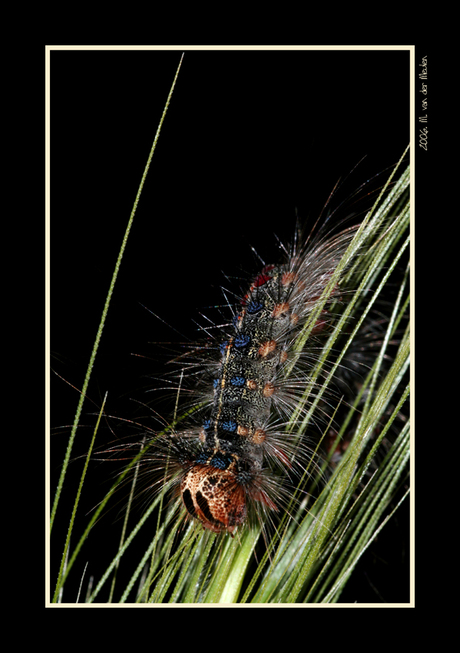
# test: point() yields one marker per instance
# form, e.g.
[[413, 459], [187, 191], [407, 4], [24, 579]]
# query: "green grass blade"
[[106, 307], [75, 506]]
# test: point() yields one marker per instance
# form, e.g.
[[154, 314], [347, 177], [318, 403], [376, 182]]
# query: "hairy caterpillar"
[[228, 468], [237, 459]]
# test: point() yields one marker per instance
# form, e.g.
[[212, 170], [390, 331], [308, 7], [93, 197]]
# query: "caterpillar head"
[[214, 497]]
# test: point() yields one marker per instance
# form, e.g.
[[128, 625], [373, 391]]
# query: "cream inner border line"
[[185, 48]]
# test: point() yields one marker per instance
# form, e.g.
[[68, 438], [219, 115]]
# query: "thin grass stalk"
[[368, 518], [192, 591], [172, 563], [65, 553], [100, 509], [376, 265], [121, 552], [106, 308], [143, 593], [367, 511], [125, 524], [231, 591], [344, 486], [366, 428], [228, 549], [359, 474]]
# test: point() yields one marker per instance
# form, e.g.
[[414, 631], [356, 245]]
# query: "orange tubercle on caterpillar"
[[267, 348]]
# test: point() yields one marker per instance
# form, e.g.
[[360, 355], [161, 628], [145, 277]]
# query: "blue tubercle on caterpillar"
[[230, 466]]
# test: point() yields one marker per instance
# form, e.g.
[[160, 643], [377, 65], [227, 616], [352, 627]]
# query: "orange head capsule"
[[214, 497]]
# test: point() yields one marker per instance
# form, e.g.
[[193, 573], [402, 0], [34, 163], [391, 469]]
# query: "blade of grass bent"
[[106, 306], [74, 511], [291, 596]]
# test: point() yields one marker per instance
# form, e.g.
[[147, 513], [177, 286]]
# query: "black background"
[[250, 138]]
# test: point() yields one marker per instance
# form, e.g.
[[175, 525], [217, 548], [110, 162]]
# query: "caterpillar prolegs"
[[231, 466]]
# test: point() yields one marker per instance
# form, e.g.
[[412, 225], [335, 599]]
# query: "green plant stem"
[[106, 307], [75, 506]]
